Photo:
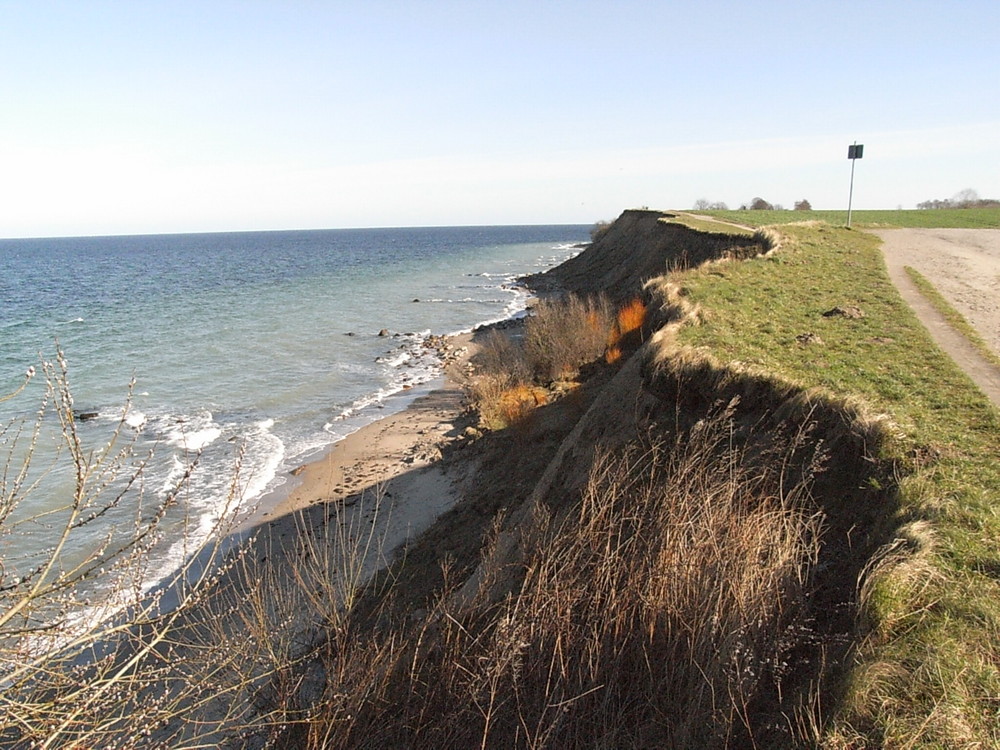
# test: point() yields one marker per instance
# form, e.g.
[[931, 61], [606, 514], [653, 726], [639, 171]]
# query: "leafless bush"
[[759, 204], [90, 658], [559, 337], [565, 333], [967, 198], [599, 230], [499, 355], [703, 204]]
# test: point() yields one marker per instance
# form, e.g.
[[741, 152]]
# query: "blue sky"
[[134, 117]]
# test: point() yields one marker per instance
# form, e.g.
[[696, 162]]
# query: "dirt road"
[[964, 265]]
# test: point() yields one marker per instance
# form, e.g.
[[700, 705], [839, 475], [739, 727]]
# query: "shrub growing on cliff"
[[502, 357], [599, 230], [564, 334], [626, 330]]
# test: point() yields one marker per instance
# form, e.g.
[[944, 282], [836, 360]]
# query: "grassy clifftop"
[[926, 670], [938, 218]]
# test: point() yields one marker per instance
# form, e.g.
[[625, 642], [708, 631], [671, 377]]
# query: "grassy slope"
[[929, 674], [976, 218]]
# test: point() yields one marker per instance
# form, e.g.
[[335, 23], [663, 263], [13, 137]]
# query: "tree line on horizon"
[[757, 204], [967, 198]]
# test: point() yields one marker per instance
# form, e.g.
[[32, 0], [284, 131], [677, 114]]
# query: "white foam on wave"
[[174, 476], [395, 359], [411, 365], [216, 490], [193, 434], [467, 300], [264, 452]]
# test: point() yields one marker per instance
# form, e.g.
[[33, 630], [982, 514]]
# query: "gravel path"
[[964, 265]]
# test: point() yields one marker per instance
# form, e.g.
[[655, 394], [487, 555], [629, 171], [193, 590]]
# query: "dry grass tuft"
[[518, 402], [631, 317], [627, 330], [656, 613]]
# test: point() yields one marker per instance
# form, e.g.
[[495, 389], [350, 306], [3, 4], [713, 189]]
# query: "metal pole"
[[853, 153], [850, 196]]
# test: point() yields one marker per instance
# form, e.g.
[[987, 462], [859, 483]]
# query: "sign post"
[[854, 153]]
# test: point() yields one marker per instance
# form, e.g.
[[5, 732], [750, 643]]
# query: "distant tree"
[[759, 204], [599, 230], [933, 204], [703, 204], [967, 198], [803, 205]]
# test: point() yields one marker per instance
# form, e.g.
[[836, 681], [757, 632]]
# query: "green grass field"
[[928, 674], [975, 218]]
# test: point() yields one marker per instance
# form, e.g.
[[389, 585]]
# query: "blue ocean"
[[261, 348]]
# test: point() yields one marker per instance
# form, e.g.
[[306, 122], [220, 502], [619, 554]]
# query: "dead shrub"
[[499, 354], [565, 333], [487, 392], [518, 402]]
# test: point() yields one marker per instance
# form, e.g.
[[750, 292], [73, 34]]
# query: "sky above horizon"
[[148, 117]]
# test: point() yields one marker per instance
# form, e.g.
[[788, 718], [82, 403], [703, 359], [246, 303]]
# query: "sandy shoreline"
[[387, 477]]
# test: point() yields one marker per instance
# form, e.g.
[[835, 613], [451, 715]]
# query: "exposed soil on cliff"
[[638, 246]]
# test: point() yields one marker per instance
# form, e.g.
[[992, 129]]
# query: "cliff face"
[[797, 452], [638, 246], [665, 556]]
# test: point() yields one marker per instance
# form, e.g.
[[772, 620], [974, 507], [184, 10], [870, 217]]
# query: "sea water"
[[256, 349]]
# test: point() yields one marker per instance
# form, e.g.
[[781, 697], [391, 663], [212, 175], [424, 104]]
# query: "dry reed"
[[656, 613]]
